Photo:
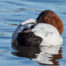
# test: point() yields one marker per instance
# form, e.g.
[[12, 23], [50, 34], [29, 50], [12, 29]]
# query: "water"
[[12, 12]]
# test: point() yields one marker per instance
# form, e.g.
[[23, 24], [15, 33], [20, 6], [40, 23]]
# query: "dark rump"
[[27, 38]]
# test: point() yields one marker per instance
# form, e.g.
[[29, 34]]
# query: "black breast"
[[28, 38]]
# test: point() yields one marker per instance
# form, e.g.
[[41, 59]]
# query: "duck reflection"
[[49, 55], [43, 55], [28, 52]]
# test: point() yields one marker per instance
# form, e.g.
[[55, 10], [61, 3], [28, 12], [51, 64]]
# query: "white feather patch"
[[49, 34]]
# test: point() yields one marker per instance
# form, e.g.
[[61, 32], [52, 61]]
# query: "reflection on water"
[[29, 52], [43, 55]]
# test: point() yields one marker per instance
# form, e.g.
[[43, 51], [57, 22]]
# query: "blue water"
[[12, 12]]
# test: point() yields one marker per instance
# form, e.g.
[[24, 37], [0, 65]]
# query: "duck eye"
[[45, 17], [40, 18]]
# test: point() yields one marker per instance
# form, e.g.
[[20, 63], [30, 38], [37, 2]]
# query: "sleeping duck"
[[46, 30]]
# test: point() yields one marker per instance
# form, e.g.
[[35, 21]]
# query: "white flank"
[[49, 33]]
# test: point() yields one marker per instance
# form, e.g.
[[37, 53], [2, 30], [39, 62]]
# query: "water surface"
[[12, 12]]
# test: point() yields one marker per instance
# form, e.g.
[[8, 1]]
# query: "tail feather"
[[27, 38]]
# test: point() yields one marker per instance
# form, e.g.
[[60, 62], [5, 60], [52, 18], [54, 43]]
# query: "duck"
[[45, 30]]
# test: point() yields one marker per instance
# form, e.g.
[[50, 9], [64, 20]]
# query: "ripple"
[[10, 25], [5, 37], [11, 2], [13, 20], [12, 12]]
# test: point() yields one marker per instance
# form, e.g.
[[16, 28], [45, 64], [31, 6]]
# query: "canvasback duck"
[[46, 30]]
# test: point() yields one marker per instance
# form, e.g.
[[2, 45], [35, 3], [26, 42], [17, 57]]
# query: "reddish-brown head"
[[52, 18]]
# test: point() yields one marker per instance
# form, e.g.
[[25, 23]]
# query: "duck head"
[[49, 17]]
